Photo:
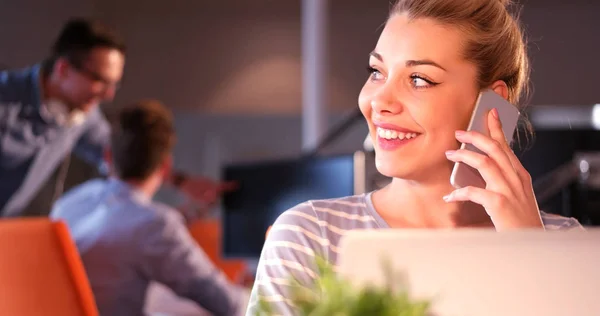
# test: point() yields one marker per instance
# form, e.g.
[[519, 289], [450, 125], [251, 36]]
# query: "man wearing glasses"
[[51, 110]]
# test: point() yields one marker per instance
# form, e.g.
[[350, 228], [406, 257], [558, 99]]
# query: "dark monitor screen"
[[549, 150], [267, 189]]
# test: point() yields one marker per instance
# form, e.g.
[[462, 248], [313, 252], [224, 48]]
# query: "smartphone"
[[464, 175]]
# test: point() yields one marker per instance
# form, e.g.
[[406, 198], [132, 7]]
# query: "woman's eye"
[[419, 82], [374, 74]]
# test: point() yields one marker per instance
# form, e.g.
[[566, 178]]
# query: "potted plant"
[[335, 296]]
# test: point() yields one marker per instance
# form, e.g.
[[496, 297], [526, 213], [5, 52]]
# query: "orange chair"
[[208, 235], [40, 270]]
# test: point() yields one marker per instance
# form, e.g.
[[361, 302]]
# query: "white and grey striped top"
[[314, 228]]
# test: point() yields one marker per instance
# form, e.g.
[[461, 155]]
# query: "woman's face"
[[420, 91]]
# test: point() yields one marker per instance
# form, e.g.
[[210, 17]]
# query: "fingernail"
[[459, 133], [450, 152], [448, 197], [495, 112]]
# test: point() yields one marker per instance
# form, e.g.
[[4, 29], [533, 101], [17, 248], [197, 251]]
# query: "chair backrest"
[[41, 272]]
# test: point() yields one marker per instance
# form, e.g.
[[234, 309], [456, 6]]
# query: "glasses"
[[95, 77]]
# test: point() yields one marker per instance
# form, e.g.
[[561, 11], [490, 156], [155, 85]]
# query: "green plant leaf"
[[335, 296]]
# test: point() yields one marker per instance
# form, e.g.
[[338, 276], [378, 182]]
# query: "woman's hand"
[[508, 197]]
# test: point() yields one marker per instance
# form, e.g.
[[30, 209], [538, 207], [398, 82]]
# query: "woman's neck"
[[412, 204]]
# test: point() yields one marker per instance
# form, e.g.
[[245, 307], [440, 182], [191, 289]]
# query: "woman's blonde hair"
[[494, 40]]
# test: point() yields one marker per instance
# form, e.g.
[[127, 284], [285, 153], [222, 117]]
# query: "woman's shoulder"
[[316, 227], [557, 222], [325, 218], [338, 212]]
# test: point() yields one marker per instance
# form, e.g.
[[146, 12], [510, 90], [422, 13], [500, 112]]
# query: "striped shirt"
[[314, 228]]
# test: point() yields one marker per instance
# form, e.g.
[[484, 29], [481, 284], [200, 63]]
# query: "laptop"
[[476, 272]]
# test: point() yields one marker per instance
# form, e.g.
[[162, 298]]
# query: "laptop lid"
[[475, 272]]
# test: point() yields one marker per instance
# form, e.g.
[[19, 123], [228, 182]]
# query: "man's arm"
[[205, 192], [5, 105], [170, 256], [4, 120], [92, 143]]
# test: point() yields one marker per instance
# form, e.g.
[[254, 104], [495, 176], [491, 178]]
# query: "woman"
[[432, 60]]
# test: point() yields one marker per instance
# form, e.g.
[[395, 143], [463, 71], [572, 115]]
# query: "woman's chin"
[[414, 170], [392, 170]]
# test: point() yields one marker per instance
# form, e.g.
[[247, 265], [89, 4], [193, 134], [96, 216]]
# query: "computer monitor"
[[548, 152], [266, 189]]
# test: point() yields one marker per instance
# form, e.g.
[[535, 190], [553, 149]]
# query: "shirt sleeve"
[[289, 253], [90, 146], [170, 256]]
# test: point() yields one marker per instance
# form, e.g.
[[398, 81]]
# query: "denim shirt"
[[126, 241], [33, 142]]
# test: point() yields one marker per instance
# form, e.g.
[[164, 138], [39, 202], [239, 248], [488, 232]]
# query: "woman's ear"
[[500, 88]]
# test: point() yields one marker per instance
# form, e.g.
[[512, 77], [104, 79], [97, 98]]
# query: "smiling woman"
[[427, 89], [431, 62]]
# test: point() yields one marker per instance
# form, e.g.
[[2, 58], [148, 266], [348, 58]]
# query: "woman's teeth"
[[392, 134]]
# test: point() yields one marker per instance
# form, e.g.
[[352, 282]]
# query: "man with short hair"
[[52, 108], [126, 240]]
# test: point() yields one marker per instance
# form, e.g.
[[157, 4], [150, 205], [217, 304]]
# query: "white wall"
[[564, 48], [240, 57], [206, 142], [28, 27]]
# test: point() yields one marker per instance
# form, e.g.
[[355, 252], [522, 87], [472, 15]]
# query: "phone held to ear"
[[464, 175]]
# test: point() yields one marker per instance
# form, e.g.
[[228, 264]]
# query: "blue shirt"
[[33, 141], [126, 240]]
